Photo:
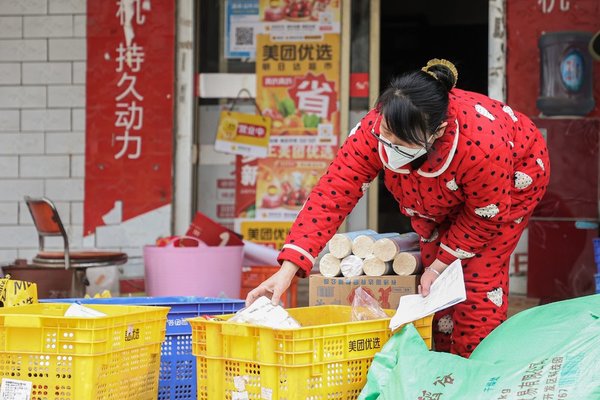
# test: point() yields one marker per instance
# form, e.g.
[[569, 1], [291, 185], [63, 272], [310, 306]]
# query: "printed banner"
[[129, 109], [246, 171], [298, 87], [300, 20], [268, 233], [285, 179], [243, 134]]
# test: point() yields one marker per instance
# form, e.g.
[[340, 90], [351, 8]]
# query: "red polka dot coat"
[[489, 168]]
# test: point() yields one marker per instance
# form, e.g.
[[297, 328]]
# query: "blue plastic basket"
[[597, 282], [177, 363]]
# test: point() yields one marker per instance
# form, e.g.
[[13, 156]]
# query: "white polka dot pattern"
[[489, 211], [483, 111], [541, 164], [445, 324], [522, 180], [495, 296], [510, 112], [452, 185]]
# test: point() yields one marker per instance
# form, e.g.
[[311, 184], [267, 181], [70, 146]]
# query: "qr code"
[[244, 36]]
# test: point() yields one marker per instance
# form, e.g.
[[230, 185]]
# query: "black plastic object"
[[565, 74]]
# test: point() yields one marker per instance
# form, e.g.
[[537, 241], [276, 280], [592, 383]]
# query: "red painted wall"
[[526, 20]]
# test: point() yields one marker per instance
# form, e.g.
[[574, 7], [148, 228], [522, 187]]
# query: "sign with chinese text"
[[246, 171], [243, 134], [268, 233], [285, 179], [298, 87], [129, 109]]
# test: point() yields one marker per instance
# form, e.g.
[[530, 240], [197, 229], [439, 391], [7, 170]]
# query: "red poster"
[[129, 114]]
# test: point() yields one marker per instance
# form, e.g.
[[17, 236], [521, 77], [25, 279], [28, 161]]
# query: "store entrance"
[[413, 32]]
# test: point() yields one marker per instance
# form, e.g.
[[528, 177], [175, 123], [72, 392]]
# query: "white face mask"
[[395, 159]]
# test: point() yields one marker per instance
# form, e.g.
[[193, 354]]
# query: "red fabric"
[[467, 182]]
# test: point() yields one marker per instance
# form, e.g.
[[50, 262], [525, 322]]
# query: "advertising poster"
[[268, 233], [241, 26], [285, 179], [298, 20], [246, 171], [243, 134], [129, 114], [298, 87]]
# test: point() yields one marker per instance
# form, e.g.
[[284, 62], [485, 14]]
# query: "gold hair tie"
[[440, 61]]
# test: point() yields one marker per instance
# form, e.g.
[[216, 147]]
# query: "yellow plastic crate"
[[72, 358], [328, 358]]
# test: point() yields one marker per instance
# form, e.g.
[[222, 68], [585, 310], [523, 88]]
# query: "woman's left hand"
[[429, 276]]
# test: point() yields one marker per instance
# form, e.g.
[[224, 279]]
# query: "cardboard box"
[[386, 289]]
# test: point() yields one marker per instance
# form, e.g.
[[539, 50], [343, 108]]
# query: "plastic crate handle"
[[236, 330], [22, 321]]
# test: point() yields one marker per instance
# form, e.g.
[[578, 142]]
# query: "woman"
[[467, 170]]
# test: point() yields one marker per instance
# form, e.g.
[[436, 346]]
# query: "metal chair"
[[47, 222]]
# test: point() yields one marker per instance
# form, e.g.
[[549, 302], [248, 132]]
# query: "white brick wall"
[[42, 117], [47, 73], [10, 73], [11, 27]]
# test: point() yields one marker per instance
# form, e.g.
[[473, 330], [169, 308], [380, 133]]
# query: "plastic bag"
[[549, 351], [365, 307], [262, 312]]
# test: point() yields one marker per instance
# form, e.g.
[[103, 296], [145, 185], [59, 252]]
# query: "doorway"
[[413, 32]]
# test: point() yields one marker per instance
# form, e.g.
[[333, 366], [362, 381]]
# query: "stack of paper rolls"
[[407, 263], [340, 244], [362, 245], [387, 248], [367, 252]]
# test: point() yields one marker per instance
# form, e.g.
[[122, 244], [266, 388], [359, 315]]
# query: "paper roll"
[[258, 254], [362, 245], [351, 266], [329, 266], [340, 244], [407, 263], [386, 248], [373, 266]]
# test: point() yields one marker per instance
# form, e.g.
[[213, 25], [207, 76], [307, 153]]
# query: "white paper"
[[13, 389], [77, 310], [447, 290]]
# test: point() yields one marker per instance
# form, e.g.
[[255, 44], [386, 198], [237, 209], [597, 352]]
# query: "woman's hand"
[[429, 276], [275, 285]]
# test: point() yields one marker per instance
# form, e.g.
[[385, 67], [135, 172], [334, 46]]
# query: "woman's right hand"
[[275, 285]]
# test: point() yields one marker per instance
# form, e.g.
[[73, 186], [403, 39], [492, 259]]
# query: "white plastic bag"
[[365, 307], [262, 312]]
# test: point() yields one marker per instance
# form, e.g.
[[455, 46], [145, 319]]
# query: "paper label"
[[266, 394], [239, 396], [13, 389]]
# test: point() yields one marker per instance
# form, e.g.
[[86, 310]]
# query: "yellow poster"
[[298, 86], [268, 233], [243, 134], [286, 177]]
